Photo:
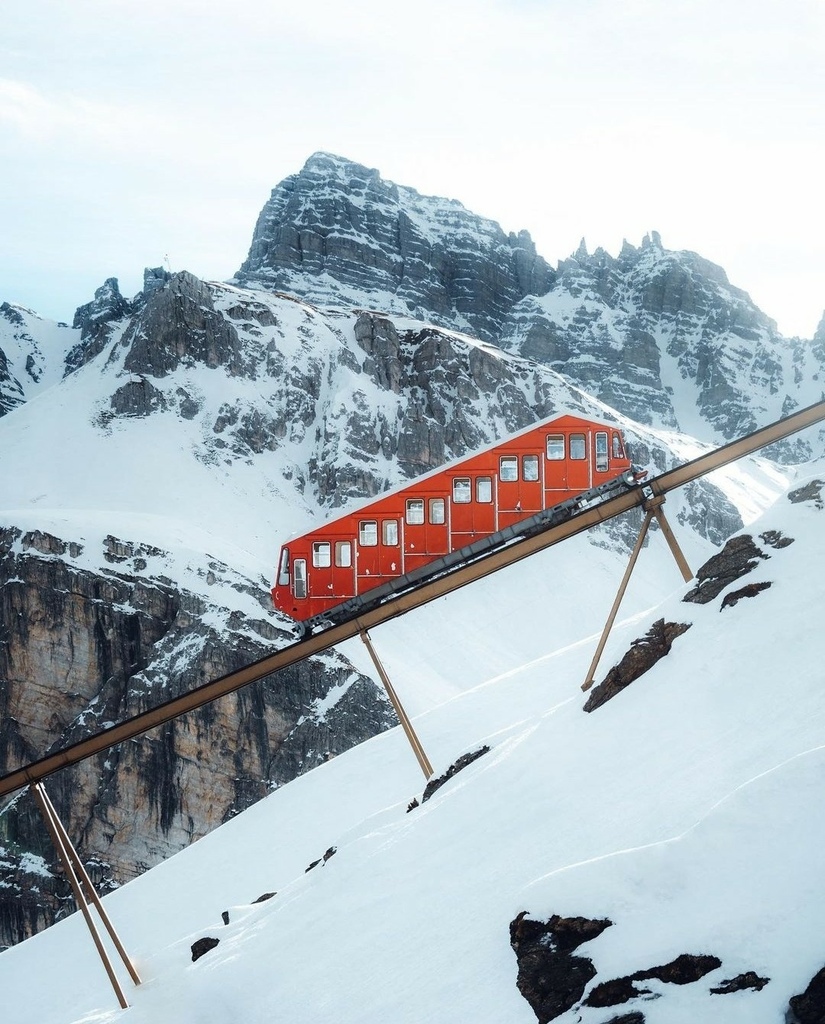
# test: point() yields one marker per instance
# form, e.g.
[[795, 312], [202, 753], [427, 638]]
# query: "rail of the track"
[[425, 592]]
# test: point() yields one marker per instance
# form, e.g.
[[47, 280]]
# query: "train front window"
[[578, 448], [555, 447], [618, 450], [437, 516], [299, 586], [484, 489], [508, 468], [343, 553], [601, 451], [368, 533], [321, 554], [389, 531], [462, 495], [530, 467], [283, 568], [415, 511]]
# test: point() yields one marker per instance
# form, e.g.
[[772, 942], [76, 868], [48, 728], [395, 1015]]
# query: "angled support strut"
[[79, 881], [406, 724], [652, 507]]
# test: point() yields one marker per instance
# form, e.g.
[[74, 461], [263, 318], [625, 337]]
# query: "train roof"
[[365, 503]]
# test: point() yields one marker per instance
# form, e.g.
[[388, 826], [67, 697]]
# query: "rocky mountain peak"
[[337, 233], [95, 321]]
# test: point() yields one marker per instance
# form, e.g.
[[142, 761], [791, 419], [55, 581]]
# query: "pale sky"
[[136, 130]]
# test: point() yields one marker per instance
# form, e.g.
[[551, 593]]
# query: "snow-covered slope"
[[686, 811], [32, 354]]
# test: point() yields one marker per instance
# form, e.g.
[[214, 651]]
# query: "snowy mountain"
[[653, 861], [154, 456], [660, 336]]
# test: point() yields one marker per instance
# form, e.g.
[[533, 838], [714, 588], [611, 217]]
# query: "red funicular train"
[[449, 515]]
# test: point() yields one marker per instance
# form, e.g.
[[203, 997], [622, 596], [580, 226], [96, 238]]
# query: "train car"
[[439, 519]]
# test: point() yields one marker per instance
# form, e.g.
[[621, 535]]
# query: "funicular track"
[[649, 494]]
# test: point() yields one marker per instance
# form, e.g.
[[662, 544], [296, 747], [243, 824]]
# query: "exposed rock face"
[[660, 334], [550, 977], [82, 649], [553, 981], [96, 321], [179, 325], [202, 946], [642, 656], [337, 233], [812, 491], [459, 765], [684, 970], [809, 1007], [739, 556], [741, 983]]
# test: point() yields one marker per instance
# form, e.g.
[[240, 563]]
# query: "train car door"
[[567, 463], [425, 530], [389, 548], [579, 473], [331, 572], [436, 527], [520, 487], [473, 507], [367, 554]]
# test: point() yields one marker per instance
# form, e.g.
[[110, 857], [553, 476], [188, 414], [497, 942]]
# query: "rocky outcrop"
[[553, 980], [809, 1006], [96, 321], [178, 325], [550, 977], [684, 970], [339, 234], [433, 785], [82, 649], [642, 656], [739, 556]]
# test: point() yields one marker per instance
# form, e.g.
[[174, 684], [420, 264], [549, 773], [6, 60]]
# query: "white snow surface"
[[687, 810]]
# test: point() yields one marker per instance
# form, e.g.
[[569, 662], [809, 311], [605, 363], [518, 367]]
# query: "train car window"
[[343, 553], [368, 533], [618, 450], [578, 449], [299, 586], [529, 467], [484, 489], [389, 531], [461, 490], [508, 467], [601, 451], [555, 447], [321, 554], [437, 511], [415, 511], [283, 568]]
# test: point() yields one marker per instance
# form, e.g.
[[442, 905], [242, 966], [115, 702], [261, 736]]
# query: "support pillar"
[[653, 507], [406, 724], [79, 880]]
